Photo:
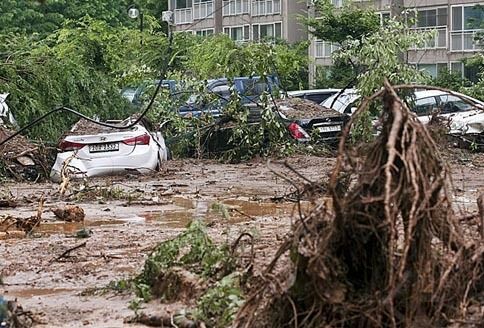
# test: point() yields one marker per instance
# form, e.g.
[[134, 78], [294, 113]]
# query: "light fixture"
[[133, 12]]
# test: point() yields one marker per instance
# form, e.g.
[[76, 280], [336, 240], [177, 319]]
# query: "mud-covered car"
[[307, 120], [90, 150]]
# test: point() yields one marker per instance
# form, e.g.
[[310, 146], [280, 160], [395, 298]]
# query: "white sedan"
[[91, 150]]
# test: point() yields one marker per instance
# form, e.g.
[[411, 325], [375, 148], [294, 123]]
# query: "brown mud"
[[123, 227]]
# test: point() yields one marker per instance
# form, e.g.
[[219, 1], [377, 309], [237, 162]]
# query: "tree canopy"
[[45, 16]]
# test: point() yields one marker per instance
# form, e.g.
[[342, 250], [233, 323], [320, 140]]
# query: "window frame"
[[463, 31]]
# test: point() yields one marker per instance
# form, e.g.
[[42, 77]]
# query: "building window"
[[466, 22], [432, 20], [266, 31], [183, 11], [266, 7], [205, 32], [202, 9], [181, 4], [235, 7], [470, 73], [238, 33], [433, 69], [384, 17], [325, 49], [337, 3]]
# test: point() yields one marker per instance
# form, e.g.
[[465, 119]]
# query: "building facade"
[[456, 23], [242, 20]]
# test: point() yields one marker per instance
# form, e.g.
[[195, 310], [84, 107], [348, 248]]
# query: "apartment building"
[[242, 20], [456, 23]]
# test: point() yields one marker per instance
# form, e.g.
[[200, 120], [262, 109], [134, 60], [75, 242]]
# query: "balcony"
[[183, 16], [235, 7], [464, 40], [266, 7], [438, 41], [203, 10]]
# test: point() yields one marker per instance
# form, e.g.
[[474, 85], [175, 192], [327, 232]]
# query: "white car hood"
[[470, 122]]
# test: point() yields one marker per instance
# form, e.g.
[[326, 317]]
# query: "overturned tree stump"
[[388, 254]]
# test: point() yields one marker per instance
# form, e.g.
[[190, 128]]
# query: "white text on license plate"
[[110, 146], [330, 128]]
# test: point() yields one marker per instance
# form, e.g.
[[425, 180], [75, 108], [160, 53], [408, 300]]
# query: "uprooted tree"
[[386, 252]]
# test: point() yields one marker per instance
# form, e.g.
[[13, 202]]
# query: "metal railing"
[[438, 41], [465, 40], [235, 7]]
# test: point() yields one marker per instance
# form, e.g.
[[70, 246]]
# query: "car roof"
[[428, 93], [311, 91], [434, 93]]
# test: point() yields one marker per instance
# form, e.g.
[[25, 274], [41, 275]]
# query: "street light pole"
[[134, 13]]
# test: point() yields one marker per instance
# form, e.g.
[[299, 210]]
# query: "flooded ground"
[[126, 217]]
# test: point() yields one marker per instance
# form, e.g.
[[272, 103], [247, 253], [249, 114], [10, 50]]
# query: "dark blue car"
[[249, 89]]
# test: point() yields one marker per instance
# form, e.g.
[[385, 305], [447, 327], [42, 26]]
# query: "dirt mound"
[[21, 159], [296, 108]]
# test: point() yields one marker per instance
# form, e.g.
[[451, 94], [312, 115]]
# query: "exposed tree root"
[[387, 253]]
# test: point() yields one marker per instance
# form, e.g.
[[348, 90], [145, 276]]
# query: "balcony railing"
[[465, 40], [235, 7], [266, 7], [203, 10], [183, 16], [439, 41]]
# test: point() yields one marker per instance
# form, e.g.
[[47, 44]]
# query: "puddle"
[[239, 211], [178, 216], [72, 227], [31, 292]]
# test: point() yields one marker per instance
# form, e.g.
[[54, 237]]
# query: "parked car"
[[249, 89], [343, 102], [447, 106], [315, 95], [134, 94], [6, 116], [306, 120], [90, 150], [463, 118], [425, 103]]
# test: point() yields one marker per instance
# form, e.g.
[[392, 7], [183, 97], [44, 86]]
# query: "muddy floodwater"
[[126, 217]]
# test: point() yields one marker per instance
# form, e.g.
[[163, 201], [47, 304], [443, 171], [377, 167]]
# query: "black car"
[[307, 120]]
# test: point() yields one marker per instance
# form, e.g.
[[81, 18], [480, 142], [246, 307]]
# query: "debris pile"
[[20, 159], [192, 269], [388, 252], [25, 225], [296, 108], [69, 213]]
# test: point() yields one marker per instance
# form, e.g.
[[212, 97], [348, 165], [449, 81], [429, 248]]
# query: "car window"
[[129, 93], [452, 104], [424, 106], [318, 98], [223, 91], [253, 87]]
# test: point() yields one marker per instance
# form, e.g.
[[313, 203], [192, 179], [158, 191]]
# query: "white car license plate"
[[110, 146], [331, 128]]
